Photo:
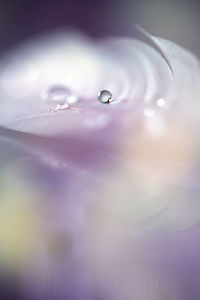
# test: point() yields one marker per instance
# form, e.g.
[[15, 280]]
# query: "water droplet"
[[105, 96], [59, 97]]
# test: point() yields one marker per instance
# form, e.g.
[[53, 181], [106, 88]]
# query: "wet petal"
[[105, 176]]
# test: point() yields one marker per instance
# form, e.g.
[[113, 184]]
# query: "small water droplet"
[[59, 98], [105, 96]]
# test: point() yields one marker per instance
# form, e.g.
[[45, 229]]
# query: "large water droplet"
[[105, 96], [59, 98]]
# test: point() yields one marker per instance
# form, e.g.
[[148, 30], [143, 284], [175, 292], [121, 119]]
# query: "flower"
[[86, 185]]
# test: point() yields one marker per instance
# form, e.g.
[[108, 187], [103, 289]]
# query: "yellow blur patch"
[[18, 226], [170, 152]]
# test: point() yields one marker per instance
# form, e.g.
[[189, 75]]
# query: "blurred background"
[[176, 20]]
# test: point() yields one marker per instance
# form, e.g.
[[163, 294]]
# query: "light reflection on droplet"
[[105, 96], [62, 106], [72, 99]]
